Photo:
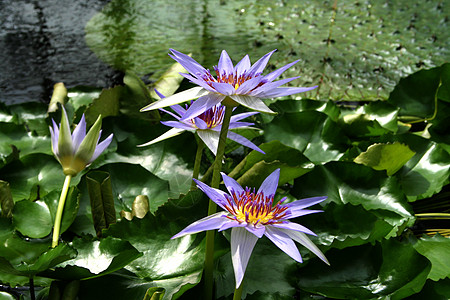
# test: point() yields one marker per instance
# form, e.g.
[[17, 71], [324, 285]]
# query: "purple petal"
[[190, 64], [302, 239], [178, 109], [239, 117], [231, 224], [258, 230], [199, 82], [242, 66], [225, 64], [210, 138], [285, 91], [54, 135], [231, 184], [171, 133], [243, 141], [266, 88], [303, 203], [234, 125], [270, 184], [202, 104], [200, 124], [170, 113], [301, 212], [214, 194], [249, 85], [159, 94], [101, 147], [259, 66], [274, 75], [252, 102], [223, 88], [242, 244], [284, 242], [79, 133], [294, 226], [211, 222], [180, 125]]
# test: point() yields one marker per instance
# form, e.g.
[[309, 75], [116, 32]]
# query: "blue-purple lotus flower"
[[207, 126], [242, 84], [78, 150], [251, 215]]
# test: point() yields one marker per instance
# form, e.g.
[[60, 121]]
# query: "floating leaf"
[[416, 94], [95, 259], [389, 157], [6, 199], [366, 272], [102, 201], [32, 219], [139, 208], [427, 172], [437, 250], [154, 293], [107, 104], [255, 167], [313, 133]]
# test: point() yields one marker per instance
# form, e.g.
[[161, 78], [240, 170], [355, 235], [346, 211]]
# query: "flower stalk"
[[238, 293], [59, 212], [212, 207], [198, 160]]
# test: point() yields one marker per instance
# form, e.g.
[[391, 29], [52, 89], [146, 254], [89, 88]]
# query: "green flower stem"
[[238, 293], [209, 255], [60, 210], [198, 160]]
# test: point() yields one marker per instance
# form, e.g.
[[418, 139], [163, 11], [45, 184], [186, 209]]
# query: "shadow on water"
[[41, 43]]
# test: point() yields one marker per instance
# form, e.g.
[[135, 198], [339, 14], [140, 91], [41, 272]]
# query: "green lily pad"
[[175, 265], [95, 258], [416, 95], [355, 184], [255, 167], [437, 250], [427, 172], [313, 133], [389, 157], [32, 219], [33, 176], [366, 272]]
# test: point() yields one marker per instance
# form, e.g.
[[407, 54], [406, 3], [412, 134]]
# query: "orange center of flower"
[[234, 79], [254, 208], [212, 117]]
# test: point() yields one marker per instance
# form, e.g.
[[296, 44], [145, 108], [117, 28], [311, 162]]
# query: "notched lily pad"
[[389, 157]]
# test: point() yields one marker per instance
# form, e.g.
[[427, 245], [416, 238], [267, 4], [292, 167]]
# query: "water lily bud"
[[78, 150]]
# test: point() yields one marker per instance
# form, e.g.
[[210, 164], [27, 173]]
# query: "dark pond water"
[[354, 50], [41, 43]]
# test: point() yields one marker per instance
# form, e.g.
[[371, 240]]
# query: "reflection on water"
[[41, 43], [352, 50]]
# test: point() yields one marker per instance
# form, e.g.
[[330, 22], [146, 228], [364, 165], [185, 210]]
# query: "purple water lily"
[[207, 126], [242, 84], [75, 151], [251, 215]]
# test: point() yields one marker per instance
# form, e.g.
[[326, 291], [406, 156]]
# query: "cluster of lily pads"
[[120, 212]]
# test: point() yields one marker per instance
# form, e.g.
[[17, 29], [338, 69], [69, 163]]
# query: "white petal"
[[180, 97], [242, 244], [171, 133], [251, 102], [210, 138], [302, 239]]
